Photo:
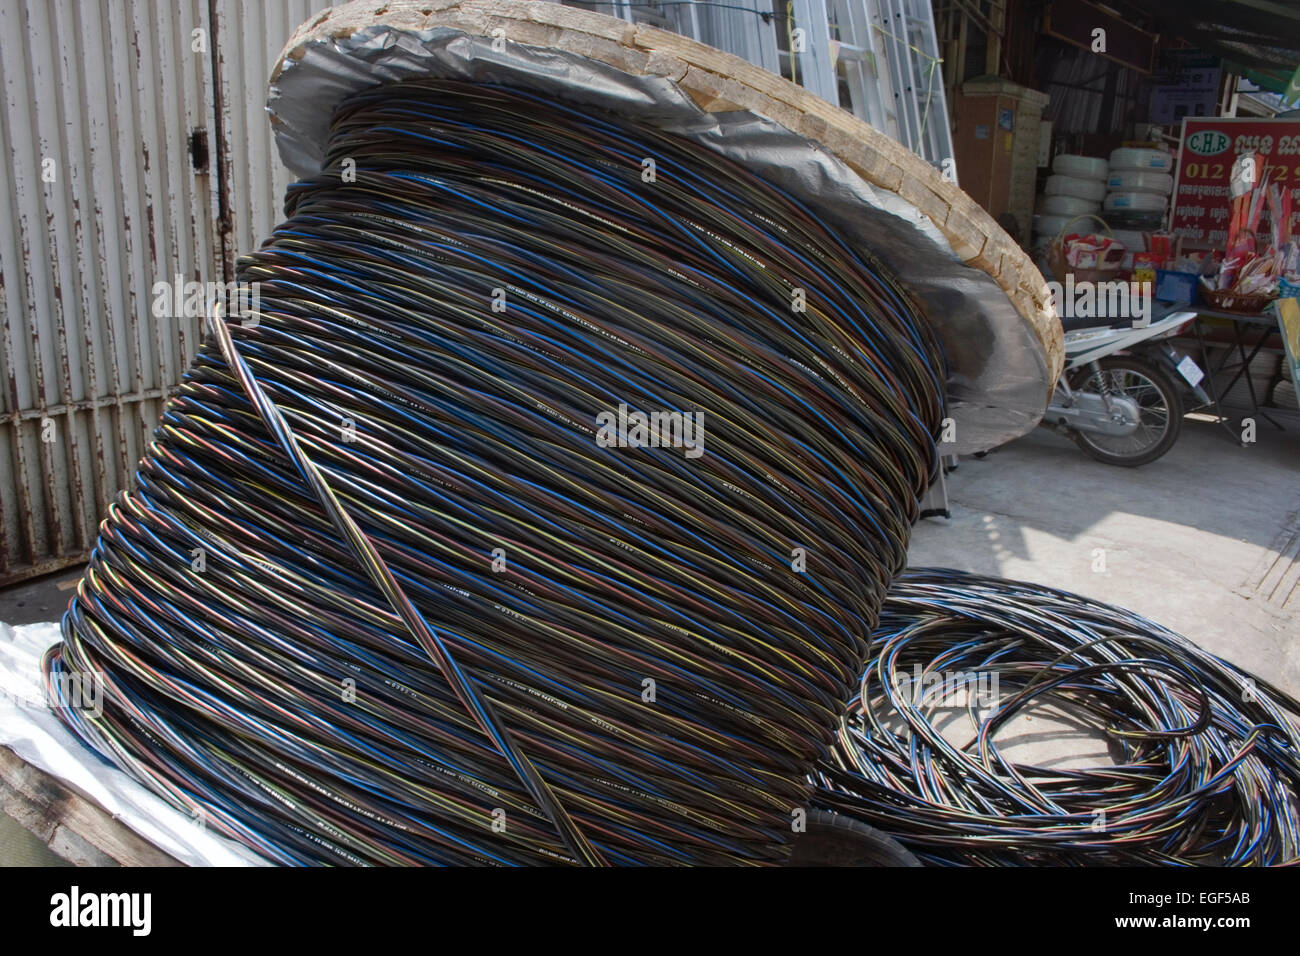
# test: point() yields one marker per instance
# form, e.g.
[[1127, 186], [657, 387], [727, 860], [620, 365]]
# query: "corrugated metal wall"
[[107, 198], [250, 35], [99, 101]]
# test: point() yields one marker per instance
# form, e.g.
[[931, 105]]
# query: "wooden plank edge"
[[73, 826]]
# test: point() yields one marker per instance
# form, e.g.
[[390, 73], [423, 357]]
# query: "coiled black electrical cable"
[[1205, 766], [386, 594]]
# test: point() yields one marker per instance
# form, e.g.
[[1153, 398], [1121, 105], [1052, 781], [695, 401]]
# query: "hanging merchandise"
[[1254, 261]]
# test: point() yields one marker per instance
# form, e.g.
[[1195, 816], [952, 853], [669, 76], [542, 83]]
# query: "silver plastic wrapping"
[[998, 375]]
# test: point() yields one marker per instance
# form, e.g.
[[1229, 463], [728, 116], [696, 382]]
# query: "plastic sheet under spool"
[[998, 380]]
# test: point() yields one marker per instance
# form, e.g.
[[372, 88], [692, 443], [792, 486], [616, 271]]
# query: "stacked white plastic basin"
[[1076, 187], [1139, 181]]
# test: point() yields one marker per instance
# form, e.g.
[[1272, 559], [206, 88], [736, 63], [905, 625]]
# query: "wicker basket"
[[1056, 256], [1226, 300]]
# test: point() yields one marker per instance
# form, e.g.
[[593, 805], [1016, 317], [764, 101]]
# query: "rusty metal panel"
[[99, 103], [250, 35]]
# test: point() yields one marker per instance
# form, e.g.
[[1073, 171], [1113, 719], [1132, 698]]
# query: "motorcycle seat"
[[1077, 323]]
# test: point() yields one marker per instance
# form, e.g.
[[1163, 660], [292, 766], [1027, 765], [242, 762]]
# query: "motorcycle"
[[1120, 396]]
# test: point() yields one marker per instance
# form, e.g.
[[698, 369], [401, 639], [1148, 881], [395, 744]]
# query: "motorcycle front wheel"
[[1160, 410]]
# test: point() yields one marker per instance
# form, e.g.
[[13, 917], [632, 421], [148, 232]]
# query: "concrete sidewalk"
[[1205, 540]]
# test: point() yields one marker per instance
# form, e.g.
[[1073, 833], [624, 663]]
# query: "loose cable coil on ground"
[[1205, 766]]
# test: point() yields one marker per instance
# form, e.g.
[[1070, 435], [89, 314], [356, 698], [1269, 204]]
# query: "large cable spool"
[[501, 145]]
